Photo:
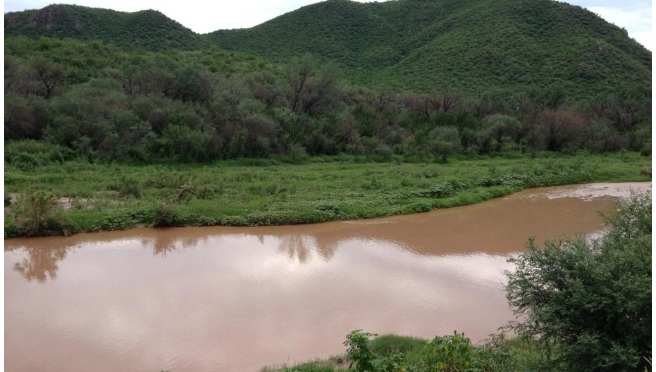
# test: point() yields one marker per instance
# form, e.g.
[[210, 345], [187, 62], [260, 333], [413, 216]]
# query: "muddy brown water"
[[237, 299]]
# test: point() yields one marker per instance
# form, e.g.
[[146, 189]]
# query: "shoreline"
[[145, 226], [289, 194]]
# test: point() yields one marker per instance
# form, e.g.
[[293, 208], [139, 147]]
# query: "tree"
[[590, 301], [309, 87], [500, 129], [18, 78], [444, 141], [558, 130], [49, 75]]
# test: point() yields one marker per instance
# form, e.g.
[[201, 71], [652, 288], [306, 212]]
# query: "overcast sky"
[[203, 16]]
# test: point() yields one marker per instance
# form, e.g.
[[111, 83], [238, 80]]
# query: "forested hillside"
[[99, 102], [147, 29], [471, 48]]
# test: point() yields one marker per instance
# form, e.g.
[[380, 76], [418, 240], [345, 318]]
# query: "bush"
[[127, 186], [27, 155], [298, 154], [37, 213], [165, 216], [591, 301], [359, 351]]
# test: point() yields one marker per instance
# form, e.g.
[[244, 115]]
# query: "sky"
[[202, 16]]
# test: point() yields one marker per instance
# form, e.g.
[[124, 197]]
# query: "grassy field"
[[71, 197]]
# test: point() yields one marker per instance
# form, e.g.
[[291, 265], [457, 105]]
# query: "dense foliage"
[[591, 301], [468, 47], [104, 103], [147, 29], [464, 46]]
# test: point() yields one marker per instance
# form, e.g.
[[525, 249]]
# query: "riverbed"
[[237, 299]]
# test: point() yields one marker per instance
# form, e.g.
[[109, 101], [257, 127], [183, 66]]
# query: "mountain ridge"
[[462, 46], [129, 30]]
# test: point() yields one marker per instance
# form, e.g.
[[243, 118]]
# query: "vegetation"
[[583, 306], [452, 353], [116, 119], [468, 47], [590, 302], [36, 213], [147, 29], [106, 104], [471, 48], [248, 192]]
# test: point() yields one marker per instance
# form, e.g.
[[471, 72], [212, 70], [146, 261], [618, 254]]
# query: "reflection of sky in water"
[[233, 294], [238, 299]]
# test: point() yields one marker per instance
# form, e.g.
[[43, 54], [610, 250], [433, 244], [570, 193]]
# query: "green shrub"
[[37, 213], [591, 300], [452, 354], [298, 154], [359, 351], [165, 216], [127, 186], [388, 344]]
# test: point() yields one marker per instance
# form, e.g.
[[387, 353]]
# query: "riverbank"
[[447, 353], [74, 197]]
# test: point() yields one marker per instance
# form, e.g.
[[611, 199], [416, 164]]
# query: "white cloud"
[[644, 38], [637, 21]]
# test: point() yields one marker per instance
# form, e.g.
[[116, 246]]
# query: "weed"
[[38, 213], [127, 186], [359, 350], [165, 216]]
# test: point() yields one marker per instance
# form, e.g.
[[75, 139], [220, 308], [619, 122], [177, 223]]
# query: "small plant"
[[38, 213], [359, 351], [298, 154], [127, 186], [185, 192], [451, 353], [165, 216]]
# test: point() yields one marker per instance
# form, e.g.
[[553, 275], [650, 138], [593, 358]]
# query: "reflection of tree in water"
[[294, 246], [299, 246], [165, 243], [326, 245], [41, 262]]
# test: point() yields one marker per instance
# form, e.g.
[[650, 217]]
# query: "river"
[[237, 299]]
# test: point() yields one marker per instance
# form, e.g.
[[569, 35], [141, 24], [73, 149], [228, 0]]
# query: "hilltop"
[[471, 48], [146, 29], [458, 45]]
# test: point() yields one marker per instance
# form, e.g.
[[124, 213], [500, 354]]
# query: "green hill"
[[471, 47], [147, 29], [457, 45]]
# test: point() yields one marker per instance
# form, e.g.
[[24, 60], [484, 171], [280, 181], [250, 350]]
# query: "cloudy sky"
[[203, 16]]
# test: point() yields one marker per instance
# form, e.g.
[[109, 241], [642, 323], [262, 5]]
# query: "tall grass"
[[338, 188], [36, 213]]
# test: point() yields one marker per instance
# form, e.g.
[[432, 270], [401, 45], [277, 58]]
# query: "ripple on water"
[[208, 299]]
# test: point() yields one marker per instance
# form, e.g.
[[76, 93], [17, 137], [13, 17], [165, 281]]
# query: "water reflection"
[[298, 247], [495, 227], [169, 241], [40, 256], [226, 298], [40, 263]]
